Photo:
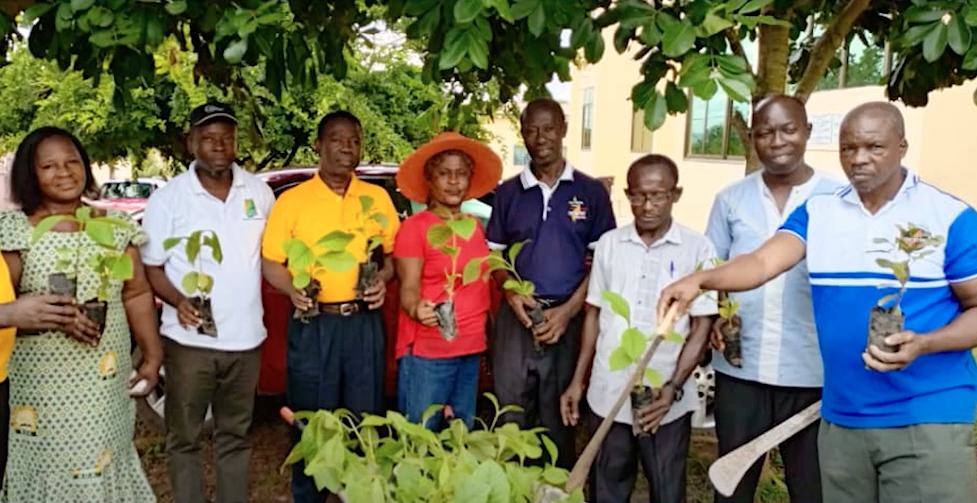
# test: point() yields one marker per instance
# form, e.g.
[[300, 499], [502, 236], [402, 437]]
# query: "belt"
[[343, 308], [550, 302]]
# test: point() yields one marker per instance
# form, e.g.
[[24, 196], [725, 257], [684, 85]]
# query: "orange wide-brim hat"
[[486, 171]]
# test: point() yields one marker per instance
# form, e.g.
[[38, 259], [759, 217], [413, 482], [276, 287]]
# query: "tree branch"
[[826, 46], [733, 37]]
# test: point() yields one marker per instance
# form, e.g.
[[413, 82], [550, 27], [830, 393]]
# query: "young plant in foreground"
[[444, 237], [305, 264], [409, 463], [371, 223], [497, 260], [912, 243], [629, 353], [197, 284], [108, 261], [732, 325]]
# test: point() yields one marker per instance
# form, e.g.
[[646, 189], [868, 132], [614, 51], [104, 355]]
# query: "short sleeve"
[[15, 231], [410, 239], [707, 303], [603, 217], [393, 222], [960, 263], [495, 233], [599, 272], [278, 229], [133, 233], [796, 223], [157, 223], [717, 229]]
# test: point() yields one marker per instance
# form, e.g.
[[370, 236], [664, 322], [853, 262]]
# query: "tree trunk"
[[772, 65]]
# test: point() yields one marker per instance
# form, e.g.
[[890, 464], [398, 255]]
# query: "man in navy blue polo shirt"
[[897, 425], [559, 213]]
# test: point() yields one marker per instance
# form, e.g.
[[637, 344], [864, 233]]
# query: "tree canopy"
[[485, 51]]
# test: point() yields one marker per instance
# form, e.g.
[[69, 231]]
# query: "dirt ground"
[[269, 436]]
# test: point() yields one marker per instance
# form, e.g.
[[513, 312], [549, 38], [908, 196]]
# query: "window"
[[587, 116], [520, 156], [711, 133], [640, 134], [861, 65]]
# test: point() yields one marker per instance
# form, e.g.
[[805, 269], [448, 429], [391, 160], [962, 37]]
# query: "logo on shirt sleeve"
[[578, 210]]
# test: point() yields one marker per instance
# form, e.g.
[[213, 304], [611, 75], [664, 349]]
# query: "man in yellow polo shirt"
[[335, 359], [35, 312]]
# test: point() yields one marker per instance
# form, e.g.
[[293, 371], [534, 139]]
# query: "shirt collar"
[[803, 189], [672, 236], [323, 190], [529, 180], [237, 179], [850, 195]]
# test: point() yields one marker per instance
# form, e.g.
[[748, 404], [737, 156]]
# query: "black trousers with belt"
[[535, 381]]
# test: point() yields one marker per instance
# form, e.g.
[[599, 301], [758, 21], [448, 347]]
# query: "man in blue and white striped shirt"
[[780, 372]]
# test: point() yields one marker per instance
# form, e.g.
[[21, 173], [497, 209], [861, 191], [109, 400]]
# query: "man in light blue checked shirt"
[[780, 373]]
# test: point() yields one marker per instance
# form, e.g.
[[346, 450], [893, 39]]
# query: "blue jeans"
[[428, 381]]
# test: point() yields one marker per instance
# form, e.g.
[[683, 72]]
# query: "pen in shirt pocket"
[[671, 269]]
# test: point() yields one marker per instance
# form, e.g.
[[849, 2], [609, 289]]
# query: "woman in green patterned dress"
[[72, 419]]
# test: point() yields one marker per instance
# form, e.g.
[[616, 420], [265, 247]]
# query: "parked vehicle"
[[127, 195]]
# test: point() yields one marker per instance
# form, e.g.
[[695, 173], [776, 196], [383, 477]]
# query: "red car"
[[272, 377]]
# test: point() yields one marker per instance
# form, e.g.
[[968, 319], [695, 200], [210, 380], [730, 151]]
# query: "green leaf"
[[705, 89], [512, 285], [37, 10], [335, 241], [472, 271], [380, 219], [678, 39], [301, 279], [472, 490], [888, 264], [215, 247], [176, 7], [438, 235], [651, 35], [655, 111], [713, 24], [735, 89], [234, 52], [205, 282], [653, 378], [915, 34], [492, 474], [675, 98], [594, 49], [555, 476], [338, 261], [454, 50], [121, 267], [619, 359], [366, 204], [935, 43], [958, 35], [514, 251], [102, 38], [467, 10], [101, 233], [551, 448], [189, 283], [171, 242], [923, 14], [193, 246], [523, 8], [45, 225], [80, 5], [971, 16], [618, 305], [754, 5], [633, 342], [299, 255], [463, 227], [674, 337], [100, 16], [537, 20]]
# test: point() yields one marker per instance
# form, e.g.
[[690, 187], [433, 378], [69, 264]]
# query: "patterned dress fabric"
[[72, 421]]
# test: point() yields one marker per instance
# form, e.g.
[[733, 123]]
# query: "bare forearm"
[[277, 275], [576, 302], [742, 273], [958, 335], [410, 296], [386, 273], [141, 312], [692, 350], [163, 287], [7, 315], [588, 344]]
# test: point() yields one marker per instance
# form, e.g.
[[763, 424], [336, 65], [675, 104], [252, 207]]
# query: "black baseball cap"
[[209, 112]]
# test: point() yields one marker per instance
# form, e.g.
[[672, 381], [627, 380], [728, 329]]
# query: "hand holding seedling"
[[301, 301], [651, 415], [374, 295], [187, 315], [424, 313], [83, 329], [41, 312], [910, 345], [557, 320], [520, 305]]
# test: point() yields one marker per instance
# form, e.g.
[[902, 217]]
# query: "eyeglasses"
[[639, 199]]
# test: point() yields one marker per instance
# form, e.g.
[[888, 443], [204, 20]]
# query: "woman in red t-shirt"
[[440, 336]]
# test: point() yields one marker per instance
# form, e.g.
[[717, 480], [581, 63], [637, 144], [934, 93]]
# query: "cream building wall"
[[941, 143], [507, 141]]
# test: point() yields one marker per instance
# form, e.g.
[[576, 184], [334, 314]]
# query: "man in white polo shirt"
[[897, 426], [635, 261], [203, 370]]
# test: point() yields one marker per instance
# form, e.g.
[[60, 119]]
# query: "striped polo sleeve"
[[960, 263], [796, 223]]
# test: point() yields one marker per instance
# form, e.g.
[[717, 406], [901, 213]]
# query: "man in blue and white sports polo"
[[897, 426]]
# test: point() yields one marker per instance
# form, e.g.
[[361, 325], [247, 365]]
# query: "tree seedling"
[[630, 351], [197, 284], [497, 260], [108, 261], [371, 223], [305, 264], [445, 238], [732, 326], [912, 243], [390, 459]]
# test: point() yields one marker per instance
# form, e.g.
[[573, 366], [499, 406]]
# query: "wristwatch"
[[678, 392]]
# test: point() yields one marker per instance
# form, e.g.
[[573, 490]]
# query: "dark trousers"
[[535, 381], [662, 456], [198, 378], [333, 361], [5, 426], [744, 410]]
